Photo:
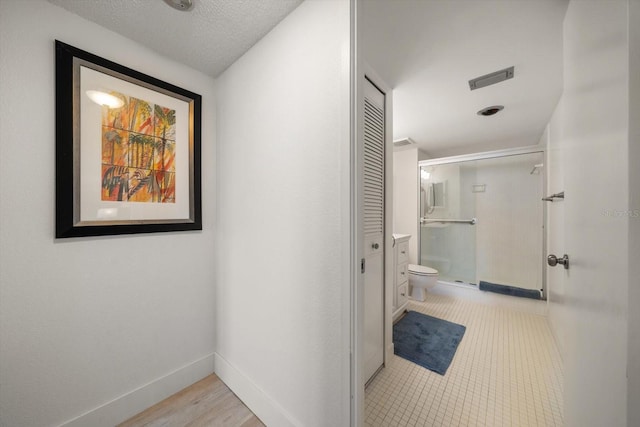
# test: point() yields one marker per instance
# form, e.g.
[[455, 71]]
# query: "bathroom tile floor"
[[507, 370]]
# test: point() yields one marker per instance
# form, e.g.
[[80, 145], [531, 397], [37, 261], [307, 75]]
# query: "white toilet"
[[421, 278]]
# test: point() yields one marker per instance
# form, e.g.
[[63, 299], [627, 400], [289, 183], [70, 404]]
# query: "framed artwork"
[[127, 150]]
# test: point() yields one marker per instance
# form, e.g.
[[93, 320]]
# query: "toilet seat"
[[421, 270]]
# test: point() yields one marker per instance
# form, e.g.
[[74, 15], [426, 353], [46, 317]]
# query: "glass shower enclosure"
[[482, 219]]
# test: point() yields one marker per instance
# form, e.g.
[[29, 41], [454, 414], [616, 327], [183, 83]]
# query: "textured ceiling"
[[209, 38], [428, 50]]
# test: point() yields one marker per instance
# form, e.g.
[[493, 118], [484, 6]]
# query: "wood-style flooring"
[[209, 402]]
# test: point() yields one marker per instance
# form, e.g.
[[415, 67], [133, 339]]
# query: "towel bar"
[[471, 221]]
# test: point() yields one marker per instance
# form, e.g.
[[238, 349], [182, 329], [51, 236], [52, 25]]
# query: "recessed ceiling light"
[[490, 111], [183, 5]]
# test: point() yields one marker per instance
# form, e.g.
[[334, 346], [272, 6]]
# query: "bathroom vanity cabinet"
[[401, 276]]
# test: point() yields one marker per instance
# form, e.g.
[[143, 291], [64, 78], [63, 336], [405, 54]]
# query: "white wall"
[[282, 305], [116, 321], [405, 197], [633, 369], [589, 302]]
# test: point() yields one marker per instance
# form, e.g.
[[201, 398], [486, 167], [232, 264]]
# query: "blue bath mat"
[[509, 290], [427, 341]]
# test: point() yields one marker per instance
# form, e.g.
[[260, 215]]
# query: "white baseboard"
[[135, 401], [265, 408], [388, 357]]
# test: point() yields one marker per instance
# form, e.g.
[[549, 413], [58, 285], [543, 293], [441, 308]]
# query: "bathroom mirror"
[[438, 192], [432, 196]]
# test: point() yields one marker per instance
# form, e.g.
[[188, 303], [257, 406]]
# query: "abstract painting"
[[127, 149], [138, 152]]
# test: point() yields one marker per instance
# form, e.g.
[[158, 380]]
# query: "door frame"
[[360, 72], [373, 77]]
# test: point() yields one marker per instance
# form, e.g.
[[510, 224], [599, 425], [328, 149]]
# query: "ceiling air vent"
[[404, 142], [491, 78]]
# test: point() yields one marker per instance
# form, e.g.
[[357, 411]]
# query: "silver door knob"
[[375, 246], [553, 260]]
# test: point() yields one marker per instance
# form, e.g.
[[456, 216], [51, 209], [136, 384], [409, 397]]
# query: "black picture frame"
[[147, 195]]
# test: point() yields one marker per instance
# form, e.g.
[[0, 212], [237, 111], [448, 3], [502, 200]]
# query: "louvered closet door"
[[373, 194]]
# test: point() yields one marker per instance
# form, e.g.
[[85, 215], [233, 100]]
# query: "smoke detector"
[[182, 5]]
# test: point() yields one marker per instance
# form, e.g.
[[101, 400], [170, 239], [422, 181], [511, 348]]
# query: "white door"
[[588, 161], [373, 193]]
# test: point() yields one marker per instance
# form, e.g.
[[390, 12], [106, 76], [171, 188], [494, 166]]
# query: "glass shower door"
[[448, 233], [505, 195]]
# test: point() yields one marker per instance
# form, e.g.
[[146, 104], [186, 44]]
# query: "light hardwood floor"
[[209, 402]]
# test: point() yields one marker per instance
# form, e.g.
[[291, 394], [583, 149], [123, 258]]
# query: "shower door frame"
[[509, 152]]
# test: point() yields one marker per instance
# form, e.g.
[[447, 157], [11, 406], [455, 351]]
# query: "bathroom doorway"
[[482, 219]]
